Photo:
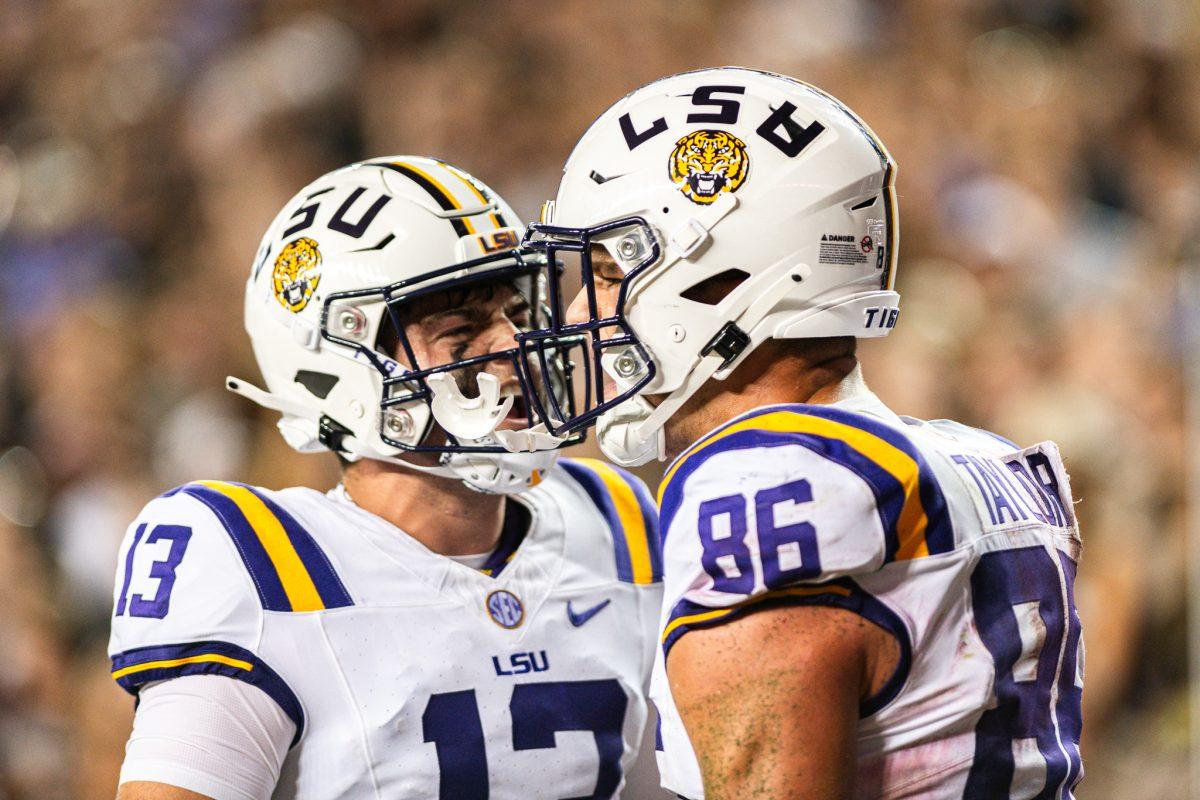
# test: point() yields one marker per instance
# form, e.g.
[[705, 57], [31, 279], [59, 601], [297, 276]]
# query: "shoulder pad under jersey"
[[628, 511], [197, 571], [793, 501]]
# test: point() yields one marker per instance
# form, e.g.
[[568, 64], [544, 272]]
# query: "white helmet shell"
[[727, 170], [317, 299]]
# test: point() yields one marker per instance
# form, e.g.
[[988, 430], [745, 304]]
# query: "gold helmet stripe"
[[893, 233], [435, 189], [497, 218]]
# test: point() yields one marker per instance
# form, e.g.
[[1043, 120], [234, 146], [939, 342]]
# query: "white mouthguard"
[[528, 440], [468, 417]]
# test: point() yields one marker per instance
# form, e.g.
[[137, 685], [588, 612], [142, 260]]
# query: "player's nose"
[[578, 311]]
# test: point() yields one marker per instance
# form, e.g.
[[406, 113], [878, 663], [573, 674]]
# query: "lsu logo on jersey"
[[296, 274], [707, 163], [521, 663]]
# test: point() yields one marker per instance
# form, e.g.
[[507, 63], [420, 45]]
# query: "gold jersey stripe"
[[633, 525], [297, 583], [912, 522], [717, 613], [175, 662]]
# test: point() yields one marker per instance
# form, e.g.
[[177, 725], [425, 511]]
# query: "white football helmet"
[[324, 303], [724, 173]]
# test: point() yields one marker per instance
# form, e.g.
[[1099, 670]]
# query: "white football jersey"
[[408, 674], [961, 544]]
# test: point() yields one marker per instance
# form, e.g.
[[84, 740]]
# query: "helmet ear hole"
[[715, 288], [319, 384]]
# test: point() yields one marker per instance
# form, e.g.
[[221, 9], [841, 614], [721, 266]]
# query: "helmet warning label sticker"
[[844, 248]]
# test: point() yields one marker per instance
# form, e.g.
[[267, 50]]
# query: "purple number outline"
[[734, 506], [179, 535], [451, 722], [123, 599], [770, 539], [1002, 579]]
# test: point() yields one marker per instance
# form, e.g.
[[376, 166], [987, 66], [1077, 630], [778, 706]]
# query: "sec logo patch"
[[505, 609]]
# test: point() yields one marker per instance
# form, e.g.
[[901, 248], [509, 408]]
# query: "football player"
[[454, 620], [857, 604]]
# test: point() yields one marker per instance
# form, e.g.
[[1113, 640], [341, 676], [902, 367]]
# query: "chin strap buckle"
[[728, 343], [331, 433]]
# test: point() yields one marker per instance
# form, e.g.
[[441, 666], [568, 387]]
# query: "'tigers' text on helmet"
[[881, 317]]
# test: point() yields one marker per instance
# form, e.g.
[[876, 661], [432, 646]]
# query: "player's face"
[[464, 323], [606, 277]]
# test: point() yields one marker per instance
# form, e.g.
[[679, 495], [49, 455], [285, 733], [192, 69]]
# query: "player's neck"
[[764, 380], [440, 513]]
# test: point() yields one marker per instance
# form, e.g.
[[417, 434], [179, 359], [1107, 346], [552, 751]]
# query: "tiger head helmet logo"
[[296, 274], [706, 163]]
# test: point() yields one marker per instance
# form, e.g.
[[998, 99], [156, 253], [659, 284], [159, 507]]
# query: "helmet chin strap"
[[297, 424], [709, 365], [482, 472], [619, 437], [640, 435], [633, 433], [300, 431], [354, 450]]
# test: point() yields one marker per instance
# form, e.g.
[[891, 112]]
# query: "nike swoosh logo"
[[601, 179], [582, 617]]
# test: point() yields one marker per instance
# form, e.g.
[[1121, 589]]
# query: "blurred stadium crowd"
[[1049, 192]]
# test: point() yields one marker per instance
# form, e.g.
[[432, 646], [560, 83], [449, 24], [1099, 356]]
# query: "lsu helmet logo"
[[706, 163], [296, 274]]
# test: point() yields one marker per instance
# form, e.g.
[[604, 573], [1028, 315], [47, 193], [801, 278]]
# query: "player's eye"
[[521, 316], [608, 278], [456, 332]]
